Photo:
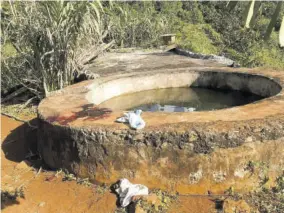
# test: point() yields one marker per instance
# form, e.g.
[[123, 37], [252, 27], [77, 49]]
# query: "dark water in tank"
[[180, 100]]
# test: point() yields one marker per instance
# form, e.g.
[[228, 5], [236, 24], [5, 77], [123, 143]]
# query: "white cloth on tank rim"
[[133, 118]]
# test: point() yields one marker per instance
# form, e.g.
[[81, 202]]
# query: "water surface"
[[180, 100]]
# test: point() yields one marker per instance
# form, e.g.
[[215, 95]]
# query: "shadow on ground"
[[21, 143], [7, 200]]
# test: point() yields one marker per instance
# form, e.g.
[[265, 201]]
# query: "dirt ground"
[[43, 192]]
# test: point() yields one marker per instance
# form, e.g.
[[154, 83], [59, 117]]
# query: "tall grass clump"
[[48, 38]]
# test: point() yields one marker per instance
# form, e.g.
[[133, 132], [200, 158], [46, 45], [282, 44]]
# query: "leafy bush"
[[244, 45], [193, 37], [44, 43], [136, 24], [46, 36]]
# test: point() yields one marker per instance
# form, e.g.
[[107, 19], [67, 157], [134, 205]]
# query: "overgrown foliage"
[[136, 24], [194, 38], [45, 43], [47, 38]]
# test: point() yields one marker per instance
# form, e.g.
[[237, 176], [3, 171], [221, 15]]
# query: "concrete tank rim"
[[79, 90], [161, 72], [168, 153]]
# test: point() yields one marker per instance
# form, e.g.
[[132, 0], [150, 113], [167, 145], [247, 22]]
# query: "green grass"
[[193, 37]]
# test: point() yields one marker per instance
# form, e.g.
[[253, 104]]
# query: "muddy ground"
[[30, 188], [43, 192]]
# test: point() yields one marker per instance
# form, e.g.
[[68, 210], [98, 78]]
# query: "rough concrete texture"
[[185, 152]]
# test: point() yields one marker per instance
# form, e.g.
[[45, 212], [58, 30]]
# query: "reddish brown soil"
[[193, 205], [55, 195]]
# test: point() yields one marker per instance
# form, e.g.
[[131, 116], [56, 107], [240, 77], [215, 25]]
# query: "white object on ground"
[[133, 118], [127, 190]]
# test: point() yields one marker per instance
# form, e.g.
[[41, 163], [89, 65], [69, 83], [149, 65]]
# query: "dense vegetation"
[[44, 43]]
